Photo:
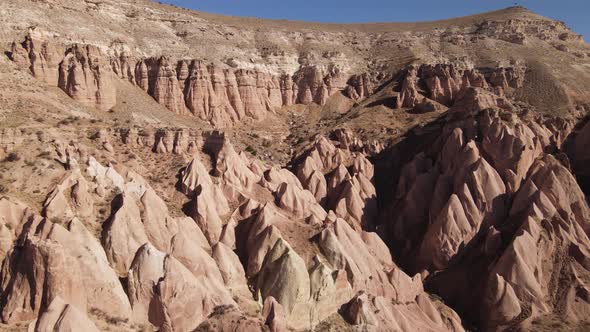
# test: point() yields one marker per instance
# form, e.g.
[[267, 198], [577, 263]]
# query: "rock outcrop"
[[85, 76], [53, 262], [464, 193], [488, 191], [401, 165], [166, 294], [217, 94], [61, 316], [545, 232], [427, 86], [83, 72], [577, 151]]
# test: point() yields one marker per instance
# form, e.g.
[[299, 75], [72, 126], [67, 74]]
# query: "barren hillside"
[[169, 170]]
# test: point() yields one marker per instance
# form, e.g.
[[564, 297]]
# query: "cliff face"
[[221, 96], [81, 71], [252, 71], [364, 174]]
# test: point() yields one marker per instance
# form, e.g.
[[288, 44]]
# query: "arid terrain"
[[169, 170]]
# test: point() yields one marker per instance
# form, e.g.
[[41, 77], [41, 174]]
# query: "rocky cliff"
[[169, 170]]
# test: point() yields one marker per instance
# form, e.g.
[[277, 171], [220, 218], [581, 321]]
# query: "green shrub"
[[251, 150]]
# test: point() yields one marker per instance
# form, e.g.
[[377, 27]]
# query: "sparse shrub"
[[69, 120], [94, 135], [182, 34], [3, 189], [132, 14], [221, 309], [12, 157], [44, 154], [251, 150], [116, 320]]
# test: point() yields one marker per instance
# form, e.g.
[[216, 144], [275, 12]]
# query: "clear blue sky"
[[576, 13]]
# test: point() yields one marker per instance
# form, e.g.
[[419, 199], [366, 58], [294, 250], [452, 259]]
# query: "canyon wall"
[[218, 94]]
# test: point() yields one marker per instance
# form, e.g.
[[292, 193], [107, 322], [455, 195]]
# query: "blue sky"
[[576, 13]]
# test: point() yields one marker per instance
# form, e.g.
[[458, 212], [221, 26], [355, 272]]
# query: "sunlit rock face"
[[168, 170]]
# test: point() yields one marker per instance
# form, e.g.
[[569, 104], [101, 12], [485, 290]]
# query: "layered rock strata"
[[218, 94]]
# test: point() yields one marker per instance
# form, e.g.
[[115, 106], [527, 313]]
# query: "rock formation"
[[221, 96], [374, 177]]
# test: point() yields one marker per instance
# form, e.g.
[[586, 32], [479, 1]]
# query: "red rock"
[[360, 313], [229, 265], [61, 316], [42, 57], [166, 89], [69, 260], [501, 296], [298, 202], [124, 233], [275, 316], [13, 216], [165, 293], [284, 276], [85, 76]]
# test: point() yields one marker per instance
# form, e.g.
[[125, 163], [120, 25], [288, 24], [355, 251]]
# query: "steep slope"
[[164, 169]]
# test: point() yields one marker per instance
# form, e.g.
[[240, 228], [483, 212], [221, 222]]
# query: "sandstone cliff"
[[368, 177]]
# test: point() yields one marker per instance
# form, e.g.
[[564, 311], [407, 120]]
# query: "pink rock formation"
[[221, 96], [166, 89], [168, 295], [464, 191], [392, 297], [229, 265], [85, 75], [364, 270], [409, 96], [61, 316], [351, 196], [446, 84], [159, 226], [476, 204], [124, 233], [284, 277], [275, 316], [60, 205], [578, 153], [298, 202], [74, 267], [40, 56], [233, 169], [488, 198], [13, 216]]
